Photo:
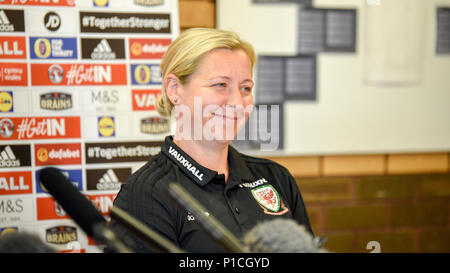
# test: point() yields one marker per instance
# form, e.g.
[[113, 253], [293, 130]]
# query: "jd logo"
[[52, 21]]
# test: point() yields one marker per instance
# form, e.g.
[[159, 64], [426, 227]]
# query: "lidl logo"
[[143, 74], [106, 126], [53, 48], [6, 101], [101, 3]]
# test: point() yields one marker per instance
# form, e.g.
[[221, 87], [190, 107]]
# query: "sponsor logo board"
[[74, 176], [54, 21], [53, 48], [60, 235], [143, 74], [12, 47], [63, 3], [16, 210], [15, 183], [106, 126], [18, 128], [110, 22], [57, 154], [49, 209], [12, 20], [13, 74], [121, 151], [6, 101], [144, 100], [12, 156], [103, 202], [149, 3], [154, 125], [102, 49], [146, 48], [104, 99], [78, 74], [106, 179], [55, 101]]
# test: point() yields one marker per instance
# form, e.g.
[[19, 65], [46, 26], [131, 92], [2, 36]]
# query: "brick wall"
[[400, 200]]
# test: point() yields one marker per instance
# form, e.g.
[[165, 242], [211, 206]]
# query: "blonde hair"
[[185, 53]]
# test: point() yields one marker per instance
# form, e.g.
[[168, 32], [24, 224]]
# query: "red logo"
[[12, 47], [78, 74], [65, 3], [57, 154], [16, 128], [15, 74], [103, 202], [49, 209], [15, 183], [144, 100], [148, 48]]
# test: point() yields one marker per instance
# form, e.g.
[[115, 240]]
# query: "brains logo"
[[42, 48], [55, 73], [6, 101], [106, 127]]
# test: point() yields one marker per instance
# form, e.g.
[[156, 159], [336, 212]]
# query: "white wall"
[[351, 116]]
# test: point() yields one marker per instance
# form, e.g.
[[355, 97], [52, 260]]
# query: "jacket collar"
[[202, 175]]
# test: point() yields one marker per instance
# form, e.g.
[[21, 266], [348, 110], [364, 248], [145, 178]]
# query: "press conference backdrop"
[[351, 76], [78, 84]]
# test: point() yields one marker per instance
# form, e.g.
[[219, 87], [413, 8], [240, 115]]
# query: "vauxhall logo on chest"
[[185, 163]]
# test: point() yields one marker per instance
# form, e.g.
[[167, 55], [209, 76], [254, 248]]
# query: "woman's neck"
[[209, 154]]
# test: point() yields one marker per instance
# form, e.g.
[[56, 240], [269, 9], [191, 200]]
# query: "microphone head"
[[80, 209], [23, 242], [280, 236]]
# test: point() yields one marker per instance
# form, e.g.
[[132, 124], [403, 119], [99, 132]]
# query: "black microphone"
[[207, 221], [282, 236], [153, 239], [80, 209], [23, 242]]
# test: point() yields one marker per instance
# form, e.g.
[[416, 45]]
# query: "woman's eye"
[[220, 84], [247, 89]]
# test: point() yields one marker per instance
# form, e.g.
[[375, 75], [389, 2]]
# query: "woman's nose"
[[234, 97]]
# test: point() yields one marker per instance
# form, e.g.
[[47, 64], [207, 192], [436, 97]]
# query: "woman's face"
[[218, 95]]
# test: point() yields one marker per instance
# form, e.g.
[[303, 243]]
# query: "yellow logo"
[[42, 48], [6, 101], [42, 154], [142, 74], [106, 126], [7, 230], [136, 48], [101, 3]]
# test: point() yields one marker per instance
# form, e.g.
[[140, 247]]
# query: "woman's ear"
[[172, 86]]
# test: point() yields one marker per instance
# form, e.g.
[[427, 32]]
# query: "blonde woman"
[[207, 89]]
